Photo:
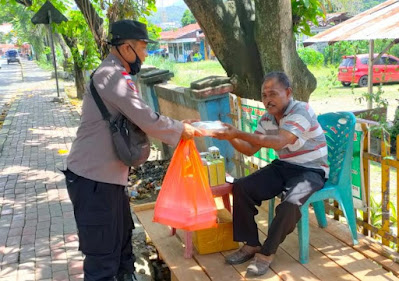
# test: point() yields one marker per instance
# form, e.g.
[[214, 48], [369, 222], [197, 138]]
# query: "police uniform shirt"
[[92, 154]]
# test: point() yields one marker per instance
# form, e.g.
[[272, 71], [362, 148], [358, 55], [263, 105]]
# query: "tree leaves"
[[305, 11]]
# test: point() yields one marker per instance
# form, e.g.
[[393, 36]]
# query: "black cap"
[[129, 29]]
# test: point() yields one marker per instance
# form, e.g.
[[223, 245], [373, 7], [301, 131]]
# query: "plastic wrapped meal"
[[209, 127]]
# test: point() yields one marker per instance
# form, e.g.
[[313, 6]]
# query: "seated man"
[[291, 128]]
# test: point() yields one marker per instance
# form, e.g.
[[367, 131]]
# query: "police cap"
[[129, 29]]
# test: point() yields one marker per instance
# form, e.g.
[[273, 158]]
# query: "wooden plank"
[[319, 264], [143, 207], [242, 269], [346, 257], [352, 260], [214, 264], [216, 267], [341, 232], [171, 249]]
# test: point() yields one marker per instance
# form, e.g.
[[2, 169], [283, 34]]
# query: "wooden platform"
[[331, 255]]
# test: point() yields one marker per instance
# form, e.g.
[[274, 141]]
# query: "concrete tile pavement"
[[38, 239]]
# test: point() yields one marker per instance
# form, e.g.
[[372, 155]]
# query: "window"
[[391, 61], [364, 60], [348, 62]]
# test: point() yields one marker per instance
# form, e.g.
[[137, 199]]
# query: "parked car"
[[354, 69], [12, 56]]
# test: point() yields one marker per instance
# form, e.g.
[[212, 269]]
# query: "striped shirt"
[[310, 149]]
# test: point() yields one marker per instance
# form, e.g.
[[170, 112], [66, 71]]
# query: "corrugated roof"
[[175, 34], [380, 22]]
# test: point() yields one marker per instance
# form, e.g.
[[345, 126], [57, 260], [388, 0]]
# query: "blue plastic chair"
[[339, 130]]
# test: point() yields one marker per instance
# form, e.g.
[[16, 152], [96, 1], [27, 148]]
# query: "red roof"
[[175, 34], [7, 46]]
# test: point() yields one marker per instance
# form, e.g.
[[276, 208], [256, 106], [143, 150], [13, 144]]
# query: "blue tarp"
[[156, 52]]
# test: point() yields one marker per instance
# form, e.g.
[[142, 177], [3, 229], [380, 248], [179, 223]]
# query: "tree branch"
[[95, 23], [26, 3]]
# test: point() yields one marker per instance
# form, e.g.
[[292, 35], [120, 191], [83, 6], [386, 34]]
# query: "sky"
[[165, 3], [5, 28]]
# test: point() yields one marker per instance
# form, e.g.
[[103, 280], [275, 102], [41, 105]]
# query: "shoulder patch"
[[130, 82]]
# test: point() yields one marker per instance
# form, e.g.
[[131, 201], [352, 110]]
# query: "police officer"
[[95, 177]]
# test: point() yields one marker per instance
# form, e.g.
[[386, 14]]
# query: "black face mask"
[[134, 66]]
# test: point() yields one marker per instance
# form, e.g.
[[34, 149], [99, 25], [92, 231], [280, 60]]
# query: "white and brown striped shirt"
[[310, 149]]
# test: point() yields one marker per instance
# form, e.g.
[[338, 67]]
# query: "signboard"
[[251, 111], [357, 169]]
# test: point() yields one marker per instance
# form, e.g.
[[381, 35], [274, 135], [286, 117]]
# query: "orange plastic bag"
[[185, 200]]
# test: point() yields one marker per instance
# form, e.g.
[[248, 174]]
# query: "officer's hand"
[[189, 132]]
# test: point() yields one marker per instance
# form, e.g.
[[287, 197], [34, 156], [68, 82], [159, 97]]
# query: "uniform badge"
[[132, 85], [130, 82]]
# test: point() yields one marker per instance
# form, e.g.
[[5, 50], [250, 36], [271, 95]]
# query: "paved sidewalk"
[[38, 238]]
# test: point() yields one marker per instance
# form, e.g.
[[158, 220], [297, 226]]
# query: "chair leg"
[[303, 235], [349, 212], [271, 211], [226, 202], [188, 237], [320, 213], [172, 231]]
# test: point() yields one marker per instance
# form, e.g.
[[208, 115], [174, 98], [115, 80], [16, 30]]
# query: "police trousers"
[[295, 183], [104, 222]]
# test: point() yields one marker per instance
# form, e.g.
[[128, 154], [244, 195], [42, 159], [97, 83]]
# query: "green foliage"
[[376, 212], [187, 18], [161, 63], [333, 53], [367, 4], [394, 129], [311, 57], [303, 12], [153, 32]]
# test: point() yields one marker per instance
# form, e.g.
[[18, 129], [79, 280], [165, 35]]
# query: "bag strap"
[[100, 104]]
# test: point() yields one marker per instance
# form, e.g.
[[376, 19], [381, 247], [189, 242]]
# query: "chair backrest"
[[339, 128]]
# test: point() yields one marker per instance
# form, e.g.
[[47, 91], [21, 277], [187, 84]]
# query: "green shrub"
[[161, 63], [311, 57]]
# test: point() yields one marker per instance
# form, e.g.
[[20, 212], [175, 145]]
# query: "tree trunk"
[[46, 42], [229, 31], [95, 23], [250, 41], [78, 69], [80, 82], [281, 54], [65, 51]]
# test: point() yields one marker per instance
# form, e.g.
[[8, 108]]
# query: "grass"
[[185, 73], [70, 91]]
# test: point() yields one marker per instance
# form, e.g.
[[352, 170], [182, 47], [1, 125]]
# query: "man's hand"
[[228, 133], [189, 132]]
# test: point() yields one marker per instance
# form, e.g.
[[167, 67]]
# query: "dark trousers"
[[296, 184], [104, 221]]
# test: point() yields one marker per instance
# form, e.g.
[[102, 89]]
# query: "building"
[[329, 21], [186, 44], [5, 47]]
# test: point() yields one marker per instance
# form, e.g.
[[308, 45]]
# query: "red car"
[[354, 69]]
